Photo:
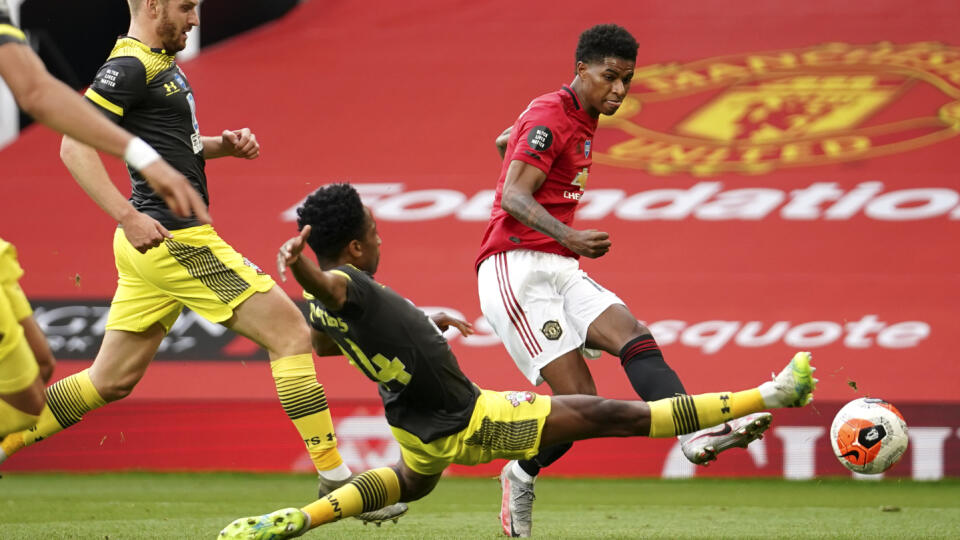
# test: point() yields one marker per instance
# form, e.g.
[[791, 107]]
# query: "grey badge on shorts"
[[551, 330]]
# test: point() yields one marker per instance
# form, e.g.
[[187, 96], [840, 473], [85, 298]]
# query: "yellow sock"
[[686, 414], [369, 491], [305, 403], [67, 401]]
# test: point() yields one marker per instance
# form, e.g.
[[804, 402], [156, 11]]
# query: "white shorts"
[[540, 305]]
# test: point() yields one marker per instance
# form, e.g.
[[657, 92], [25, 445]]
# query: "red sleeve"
[[541, 133]]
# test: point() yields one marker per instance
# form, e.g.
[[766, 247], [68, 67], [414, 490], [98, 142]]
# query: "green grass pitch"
[[197, 506]]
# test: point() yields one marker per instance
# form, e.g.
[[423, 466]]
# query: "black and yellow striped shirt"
[[394, 344], [145, 92]]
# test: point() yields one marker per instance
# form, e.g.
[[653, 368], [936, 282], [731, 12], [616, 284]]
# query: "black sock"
[[546, 456], [650, 376]]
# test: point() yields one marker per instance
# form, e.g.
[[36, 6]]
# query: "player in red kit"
[[544, 308]]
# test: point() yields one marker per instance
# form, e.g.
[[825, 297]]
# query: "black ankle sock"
[[650, 376], [546, 456]]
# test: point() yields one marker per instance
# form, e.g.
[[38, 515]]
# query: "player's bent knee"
[[291, 346], [34, 404], [418, 490], [290, 339], [414, 486], [117, 389]]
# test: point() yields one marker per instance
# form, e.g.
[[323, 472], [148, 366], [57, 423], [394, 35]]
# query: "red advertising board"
[[781, 177]]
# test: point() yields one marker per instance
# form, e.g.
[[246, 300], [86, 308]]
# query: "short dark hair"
[[337, 216], [605, 41]]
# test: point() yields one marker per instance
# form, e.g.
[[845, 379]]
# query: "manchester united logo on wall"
[[757, 112]]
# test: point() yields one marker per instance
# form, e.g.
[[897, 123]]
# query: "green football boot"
[[286, 523]]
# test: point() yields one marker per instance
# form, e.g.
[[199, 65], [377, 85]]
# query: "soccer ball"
[[868, 435]]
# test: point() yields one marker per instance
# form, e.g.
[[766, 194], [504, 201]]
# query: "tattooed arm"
[[522, 181]]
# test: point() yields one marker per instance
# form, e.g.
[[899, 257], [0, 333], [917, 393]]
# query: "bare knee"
[[287, 340], [613, 329], [34, 405], [414, 486], [33, 401], [116, 387], [288, 336], [295, 340], [274, 322], [415, 490]]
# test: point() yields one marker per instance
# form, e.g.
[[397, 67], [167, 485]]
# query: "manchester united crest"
[[551, 330], [757, 112]]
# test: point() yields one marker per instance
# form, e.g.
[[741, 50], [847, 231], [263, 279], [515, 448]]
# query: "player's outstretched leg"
[[67, 401], [367, 492], [387, 513], [703, 446], [792, 387], [576, 417], [653, 379]]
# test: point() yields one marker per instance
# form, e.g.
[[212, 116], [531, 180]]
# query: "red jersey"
[[554, 135]]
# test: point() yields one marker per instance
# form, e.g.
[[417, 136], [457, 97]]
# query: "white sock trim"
[[340, 473], [768, 391], [307, 526]]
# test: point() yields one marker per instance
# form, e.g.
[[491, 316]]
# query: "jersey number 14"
[[379, 367]]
